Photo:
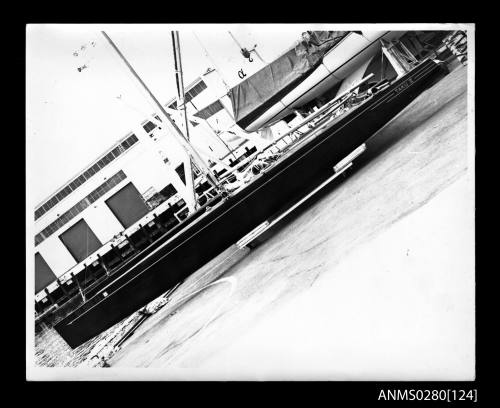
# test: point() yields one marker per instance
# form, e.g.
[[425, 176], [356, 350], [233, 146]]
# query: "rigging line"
[[219, 72], [176, 133], [154, 108], [235, 40]]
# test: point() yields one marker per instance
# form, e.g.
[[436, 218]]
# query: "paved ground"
[[375, 280]]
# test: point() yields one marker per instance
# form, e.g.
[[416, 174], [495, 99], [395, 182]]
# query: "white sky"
[[72, 116]]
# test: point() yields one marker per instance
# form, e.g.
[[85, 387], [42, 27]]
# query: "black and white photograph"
[[250, 202]]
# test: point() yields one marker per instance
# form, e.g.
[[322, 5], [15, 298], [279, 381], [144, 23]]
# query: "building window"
[[80, 206], [180, 171], [168, 191], [194, 91], [127, 205], [86, 174], [210, 110], [149, 126]]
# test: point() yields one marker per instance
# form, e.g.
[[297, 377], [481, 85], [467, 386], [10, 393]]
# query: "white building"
[[78, 223]]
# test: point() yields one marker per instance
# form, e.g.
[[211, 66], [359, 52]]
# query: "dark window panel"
[[180, 171], [80, 240], [65, 219], [116, 151], [149, 126], [43, 274], [100, 191], [195, 90], [168, 191], [127, 205], [113, 181], [210, 110], [109, 185], [79, 207]]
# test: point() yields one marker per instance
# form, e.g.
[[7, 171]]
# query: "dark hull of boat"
[[179, 256]]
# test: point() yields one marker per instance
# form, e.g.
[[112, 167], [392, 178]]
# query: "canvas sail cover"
[[252, 97]]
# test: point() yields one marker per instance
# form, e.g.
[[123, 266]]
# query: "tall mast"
[[177, 134], [181, 105], [179, 79]]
